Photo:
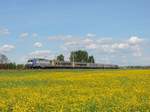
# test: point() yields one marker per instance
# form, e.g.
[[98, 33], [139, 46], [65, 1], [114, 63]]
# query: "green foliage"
[[20, 66], [3, 59], [79, 56], [5, 64], [12, 66], [60, 57], [91, 59], [8, 66]]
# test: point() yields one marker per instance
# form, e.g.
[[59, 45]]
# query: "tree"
[[20, 66], [60, 57], [3, 59], [91, 59], [11, 66], [79, 56]]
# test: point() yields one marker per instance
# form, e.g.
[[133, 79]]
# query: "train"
[[45, 63]]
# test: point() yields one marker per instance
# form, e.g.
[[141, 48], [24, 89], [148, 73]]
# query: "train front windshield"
[[31, 62]]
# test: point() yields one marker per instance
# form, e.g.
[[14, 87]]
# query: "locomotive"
[[45, 63]]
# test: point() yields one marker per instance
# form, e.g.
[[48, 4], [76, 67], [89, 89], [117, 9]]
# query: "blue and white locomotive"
[[38, 63]]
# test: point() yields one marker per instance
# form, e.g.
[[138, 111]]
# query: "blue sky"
[[113, 31]]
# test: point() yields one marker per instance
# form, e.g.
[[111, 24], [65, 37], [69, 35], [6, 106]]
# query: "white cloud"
[[105, 40], [60, 38], [34, 35], [37, 54], [123, 46], [38, 44], [24, 35], [87, 41], [6, 48], [120, 46], [4, 32], [103, 45], [40, 54], [91, 46], [132, 47], [71, 43], [137, 52], [90, 35], [105, 48], [134, 40]]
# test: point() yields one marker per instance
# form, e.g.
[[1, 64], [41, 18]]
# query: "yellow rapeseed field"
[[75, 91]]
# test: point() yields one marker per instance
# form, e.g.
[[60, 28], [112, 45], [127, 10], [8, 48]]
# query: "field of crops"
[[75, 91]]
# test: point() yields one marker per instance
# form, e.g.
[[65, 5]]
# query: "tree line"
[[78, 56], [6, 64], [75, 56]]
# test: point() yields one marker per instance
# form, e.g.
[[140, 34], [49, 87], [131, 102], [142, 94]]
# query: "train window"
[[30, 60]]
